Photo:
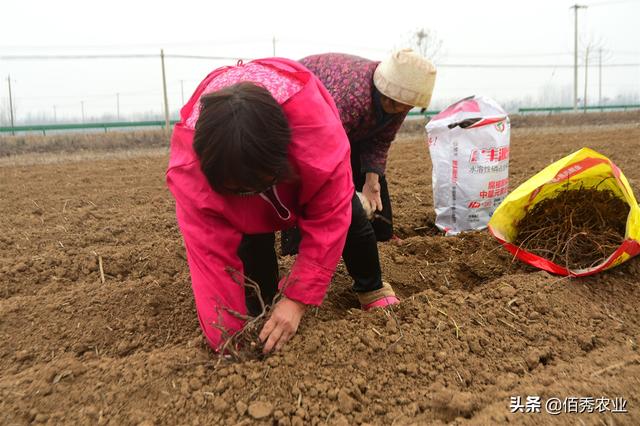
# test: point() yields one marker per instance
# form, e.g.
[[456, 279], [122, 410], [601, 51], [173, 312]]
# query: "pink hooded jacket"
[[318, 202]]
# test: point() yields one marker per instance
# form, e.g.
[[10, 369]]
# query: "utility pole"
[[10, 105], [166, 99], [575, 8], [273, 41], [82, 108], [118, 106], [182, 90], [55, 115], [586, 74], [600, 77]]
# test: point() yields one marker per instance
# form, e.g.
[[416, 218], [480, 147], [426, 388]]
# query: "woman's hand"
[[282, 324], [366, 205], [371, 190]]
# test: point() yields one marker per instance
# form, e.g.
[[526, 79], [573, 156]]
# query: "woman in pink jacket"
[[259, 148]]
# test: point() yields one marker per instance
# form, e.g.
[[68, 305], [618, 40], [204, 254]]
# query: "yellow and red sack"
[[585, 168]]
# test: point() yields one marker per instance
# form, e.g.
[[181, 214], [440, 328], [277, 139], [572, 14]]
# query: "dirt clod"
[[220, 405], [260, 409], [345, 402], [241, 408]]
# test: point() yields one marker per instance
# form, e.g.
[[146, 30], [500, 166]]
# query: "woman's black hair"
[[241, 139]]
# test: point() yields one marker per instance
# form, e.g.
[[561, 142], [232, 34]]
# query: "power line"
[[622, 52], [49, 57], [606, 3], [530, 55], [227, 58], [528, 65], [234, 58], [505, 55], [219, 58], [95, 95], [112, 56], [142, 45]]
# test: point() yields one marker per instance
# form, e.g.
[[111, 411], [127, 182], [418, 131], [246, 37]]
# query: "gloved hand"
[[366, 205]]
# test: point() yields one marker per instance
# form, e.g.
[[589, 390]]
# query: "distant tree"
[[554, 95], [627, 98], [426, 42], [594, 52]]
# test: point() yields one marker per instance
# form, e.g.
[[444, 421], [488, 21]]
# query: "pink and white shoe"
[[396, 240], [381, 303], [380, 298]]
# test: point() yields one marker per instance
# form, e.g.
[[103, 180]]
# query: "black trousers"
[[360, 255], [382, 228]]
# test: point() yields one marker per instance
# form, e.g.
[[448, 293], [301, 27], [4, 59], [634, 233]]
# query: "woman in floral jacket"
[[373, 99]]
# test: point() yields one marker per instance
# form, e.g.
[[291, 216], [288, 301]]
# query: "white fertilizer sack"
[[469, 147]]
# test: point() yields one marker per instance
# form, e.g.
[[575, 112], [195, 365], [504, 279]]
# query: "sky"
[[477, 35]]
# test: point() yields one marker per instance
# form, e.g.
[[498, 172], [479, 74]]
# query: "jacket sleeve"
[[374, 151], [323, 226], [211, 244]]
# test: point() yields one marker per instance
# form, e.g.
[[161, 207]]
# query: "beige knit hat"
[[406, 77]]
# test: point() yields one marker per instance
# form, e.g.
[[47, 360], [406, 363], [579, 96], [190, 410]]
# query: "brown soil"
[[576, 229], [78, 143], [474, 328]]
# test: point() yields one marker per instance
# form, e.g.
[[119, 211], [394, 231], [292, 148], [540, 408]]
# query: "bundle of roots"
[[244, 344], [578, 228]]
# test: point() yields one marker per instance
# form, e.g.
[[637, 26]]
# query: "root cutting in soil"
[[244, 344], [578, 228]]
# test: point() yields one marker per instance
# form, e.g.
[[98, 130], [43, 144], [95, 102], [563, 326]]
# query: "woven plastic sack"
[[469, 147], [584, 168]]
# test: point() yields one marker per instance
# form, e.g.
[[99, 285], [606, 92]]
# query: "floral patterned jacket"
[[349, 80]]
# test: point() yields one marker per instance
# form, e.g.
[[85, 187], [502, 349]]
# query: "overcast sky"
[[472, 32]]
